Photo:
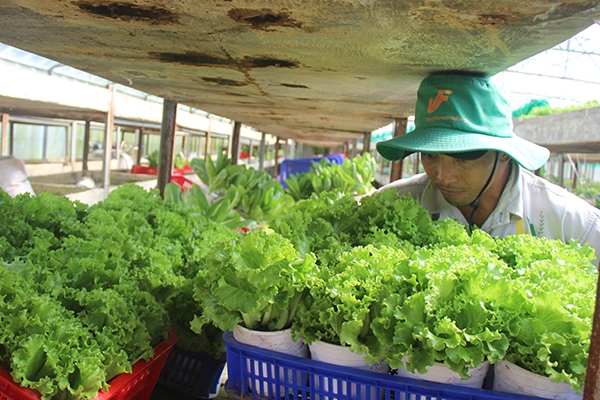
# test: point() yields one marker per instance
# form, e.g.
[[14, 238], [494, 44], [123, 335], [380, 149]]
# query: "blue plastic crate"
[[298, 165], [194, 374], [305, 379]]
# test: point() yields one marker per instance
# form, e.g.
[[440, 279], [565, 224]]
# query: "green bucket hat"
[[459, 113]]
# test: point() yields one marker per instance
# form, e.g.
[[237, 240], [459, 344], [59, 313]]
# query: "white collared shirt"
[[528, 204]]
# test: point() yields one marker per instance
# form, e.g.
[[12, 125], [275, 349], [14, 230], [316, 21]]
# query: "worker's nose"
[[445, 173]]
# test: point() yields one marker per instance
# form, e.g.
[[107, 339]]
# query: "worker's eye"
[[429, 156]]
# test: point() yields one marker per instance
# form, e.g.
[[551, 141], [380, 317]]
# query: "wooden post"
[[138, 143], [396, 167], [261, 152], [167, 141], [118, 147], [235, 143], [184, 143], [207, 143], [575, 174], [73, 144], [367, 143], [276, 165], [5, 135], [86, 147], [561, 170], [110, 121], [354, 148]]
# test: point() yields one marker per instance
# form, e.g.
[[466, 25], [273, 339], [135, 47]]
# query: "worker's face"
[[459, 181]]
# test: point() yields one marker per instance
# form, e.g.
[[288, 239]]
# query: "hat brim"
[[443, 140]]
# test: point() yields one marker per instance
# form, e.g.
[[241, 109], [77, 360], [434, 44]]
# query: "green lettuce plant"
[[347, 296], [553, 291], [451, 316], [255, 279]]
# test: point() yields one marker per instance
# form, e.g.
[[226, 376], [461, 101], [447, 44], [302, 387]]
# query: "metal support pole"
[[45, 143], [292, 150], [167, 140], [575, 175]]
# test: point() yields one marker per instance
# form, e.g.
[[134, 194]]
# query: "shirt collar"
[[511, 200]]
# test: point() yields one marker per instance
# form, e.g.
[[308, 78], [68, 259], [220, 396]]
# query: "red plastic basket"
[[137, 385], [142, 169], [183, 182]]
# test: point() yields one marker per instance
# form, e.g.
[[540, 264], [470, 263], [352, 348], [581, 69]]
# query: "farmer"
[[478, 171]]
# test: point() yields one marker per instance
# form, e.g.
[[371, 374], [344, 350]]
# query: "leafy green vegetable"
[[153, 159], [549, 322], [214, 175], [199, 205], [345, 297], [254, 195], [353, 177], [179, 161], [451, 315], [85, 292], [400, 215], [256, 279]]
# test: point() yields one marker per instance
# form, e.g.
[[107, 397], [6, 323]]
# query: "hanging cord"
[[475, 203]]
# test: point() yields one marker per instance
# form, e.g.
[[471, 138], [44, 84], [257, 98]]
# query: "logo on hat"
[[439, 99]]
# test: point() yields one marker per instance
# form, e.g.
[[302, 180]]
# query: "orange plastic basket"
[[138, 385]]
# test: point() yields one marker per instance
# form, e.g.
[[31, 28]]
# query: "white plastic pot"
[[280, 341], [441, 373], [511, 378], [342, 355]]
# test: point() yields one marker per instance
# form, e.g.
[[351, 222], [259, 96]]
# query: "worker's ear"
[[504, 157]]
